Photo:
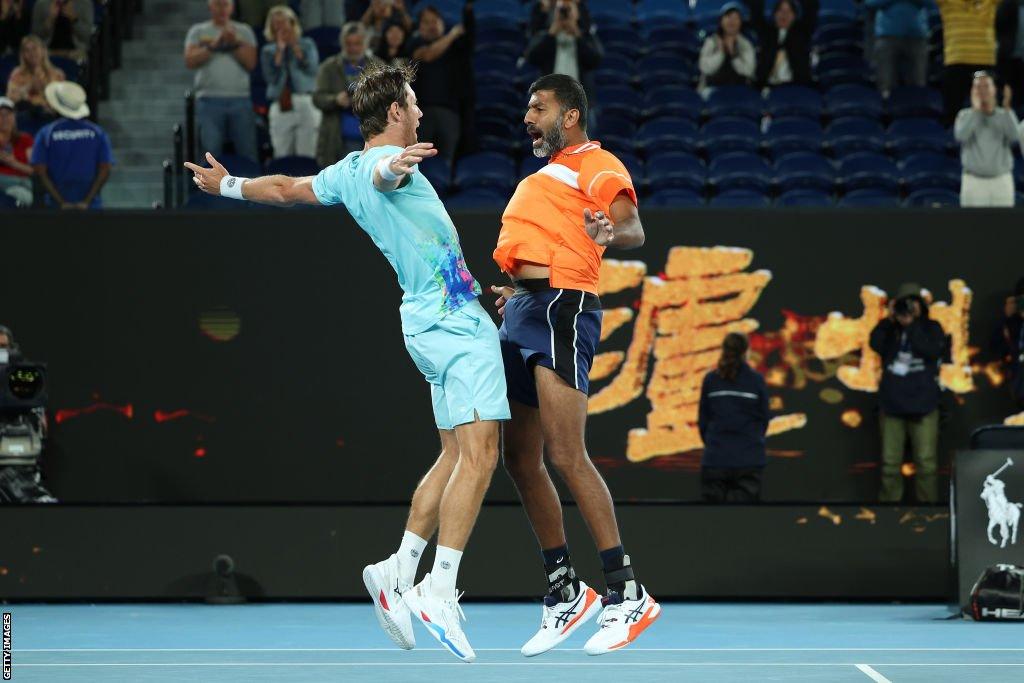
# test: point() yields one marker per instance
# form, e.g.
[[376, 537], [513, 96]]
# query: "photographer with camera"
[[22, 425], [565, 42], [1008, 342], [911, 346]]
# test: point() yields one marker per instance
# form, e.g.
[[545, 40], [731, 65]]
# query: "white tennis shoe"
[[442, 616], [622, 622], [561, 619], [386, 589]]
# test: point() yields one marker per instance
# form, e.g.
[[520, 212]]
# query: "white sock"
[[445, 571], [409, 554]]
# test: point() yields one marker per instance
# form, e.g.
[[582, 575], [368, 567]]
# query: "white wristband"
[[384, 168], [231, 187]]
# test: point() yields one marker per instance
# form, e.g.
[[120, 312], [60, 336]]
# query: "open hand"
[[598, 227], [504, 294], [208, 179], [405, 161]]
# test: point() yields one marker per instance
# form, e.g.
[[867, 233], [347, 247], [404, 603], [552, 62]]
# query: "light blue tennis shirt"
[[413, 230]]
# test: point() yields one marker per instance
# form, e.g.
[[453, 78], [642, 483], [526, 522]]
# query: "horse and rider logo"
[[1001, 512]]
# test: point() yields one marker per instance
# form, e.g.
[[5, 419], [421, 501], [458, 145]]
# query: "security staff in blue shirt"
[[733, 421]]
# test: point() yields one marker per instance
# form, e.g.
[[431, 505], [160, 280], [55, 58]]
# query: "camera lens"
[[25, 383]]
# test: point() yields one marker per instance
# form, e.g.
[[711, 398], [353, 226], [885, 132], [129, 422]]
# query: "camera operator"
[[21, 436], [1008, 342], [911, 346]]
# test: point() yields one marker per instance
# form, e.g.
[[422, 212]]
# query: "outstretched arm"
[[272, 189], [392, 171]]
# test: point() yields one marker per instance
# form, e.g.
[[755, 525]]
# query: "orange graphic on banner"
[[683, 317]]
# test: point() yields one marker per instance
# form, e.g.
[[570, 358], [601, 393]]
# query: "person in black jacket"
[[565, 42], [784, 49], [733, 420], [1010, 49], [911, 346]]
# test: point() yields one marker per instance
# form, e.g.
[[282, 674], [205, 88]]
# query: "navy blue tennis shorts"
[[555, 328]]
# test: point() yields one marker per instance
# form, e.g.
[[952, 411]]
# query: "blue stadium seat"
[[485, 170], [615, 133], [735, 100], [844, 37], [623, 64], [929, 171], [806, 198], [71, 68], [499, 101], [661, 69], [611, 11], [509, 11], [673, 100], [617, 32], [633, 165], [854, 134], [530, 165], [794, 100], [740, 170], [477, 198], [617, 100], [869, 198], [632, 50], [662, 10], [740, 199], [499, 134], [842, 67], [675, 170], [294, 166], [730, 134], [493, 67], [326, 39], [933, 198], [499, 32], [839, 8], [667, 134], [868, 170], [804, 171], [438, 171], [916, 135], [525, 74], [670, 37], [854, 100], [674, 199], [910, 102], [793, 134]]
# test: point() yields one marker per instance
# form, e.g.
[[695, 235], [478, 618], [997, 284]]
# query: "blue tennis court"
[[691, 642]]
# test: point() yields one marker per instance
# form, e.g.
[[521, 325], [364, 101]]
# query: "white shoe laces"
[[456, 605], [611, 614]]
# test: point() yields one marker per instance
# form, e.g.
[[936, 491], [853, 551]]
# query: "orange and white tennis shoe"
[[561, 619], [622, 622]]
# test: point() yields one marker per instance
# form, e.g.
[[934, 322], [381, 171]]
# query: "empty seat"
[[662, 10], [794, 100], [617, 100], [869, 198], [673, 100], [735, 100], [928, 170], [664, 69], [530, 165], [868, 170], [667, 133], [933, 198], [675, 199], [853, 100], [438, 171], [477, 198], [740, 170], [854, 134], [804, 171], [729, 134], [914, 135], [909, 101], [807, 198], [675, 170], [488, 170], [793, 134]]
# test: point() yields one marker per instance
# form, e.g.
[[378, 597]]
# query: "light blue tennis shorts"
[[460, 357]]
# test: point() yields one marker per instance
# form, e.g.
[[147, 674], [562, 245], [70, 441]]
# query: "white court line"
[[872, 674], [516, 649], [603, 664]]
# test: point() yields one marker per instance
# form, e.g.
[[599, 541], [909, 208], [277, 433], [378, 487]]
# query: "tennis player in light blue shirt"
[[450, 337]]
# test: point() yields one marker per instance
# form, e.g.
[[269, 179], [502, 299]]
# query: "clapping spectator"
[[339, 129], [444, 77], [64, 25], [316, 13], [1010, 39], [27, 84], [15, 152], [15, 21], [727, 57], [290, 64], [380, 13], [900, 42], [987, 134], [784, 50], [72, 156], [566, 43], [393, 46], [223, 52], [969, 45]]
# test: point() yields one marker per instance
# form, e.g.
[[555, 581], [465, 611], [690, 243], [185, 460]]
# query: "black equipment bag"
[[998, 594]]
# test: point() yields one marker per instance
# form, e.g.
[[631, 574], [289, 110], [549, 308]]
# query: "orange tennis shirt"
[[543, 222]]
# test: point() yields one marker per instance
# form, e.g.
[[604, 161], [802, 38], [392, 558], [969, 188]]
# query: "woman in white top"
[[727, 57]]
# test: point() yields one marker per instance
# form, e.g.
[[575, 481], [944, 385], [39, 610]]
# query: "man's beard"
[[553, 141]]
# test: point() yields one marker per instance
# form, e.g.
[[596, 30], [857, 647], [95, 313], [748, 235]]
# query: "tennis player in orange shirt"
[[554, 231]]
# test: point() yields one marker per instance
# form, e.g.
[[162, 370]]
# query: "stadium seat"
[[794, 100], [648, 11], [499, 101], [661, 69], [669, 37], [675, 199], [438, 171], [730, 134], [72, 68], [844, 37], [631, 49], [500, 135], [910, 102], [498, 32], [839, 8], [509, 11], [804, 171], [326, 39], [869, 198], [615, 132], [611, 11], [617, 100], [525, 74], [933, 198], [485, 170], [793, 134], [740, 170], [807, 198], [740, 199], [864, 170], [930, 171], [617, 33], [735, 100], [854, 134], [633, 165], [915, 135], [530, 165], [853, 100], [841, 68], [491, 67], [667, 134], [673, 100], [675, 170], [477, 198], [294, 166]]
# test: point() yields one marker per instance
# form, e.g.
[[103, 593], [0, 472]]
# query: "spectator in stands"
[[1008, 342], [380, 13], [290, 64], [444, 79], [393, 46], [26, 86], [727, 57], [733, 421], [784, 48], [316, 13], [987, 134], [1010, 41], [911, 346], [64, 25], [15, 22], [15, 152], [254, 12], [339, 129], [969, 45], [901, 43], [72, 156], [223, 52], [566, 43]]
